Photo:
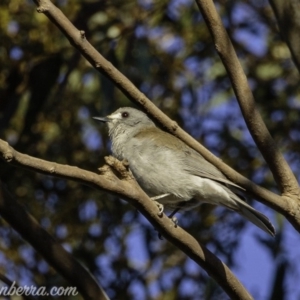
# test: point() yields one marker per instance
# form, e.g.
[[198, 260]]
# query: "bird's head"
[[126, 120]]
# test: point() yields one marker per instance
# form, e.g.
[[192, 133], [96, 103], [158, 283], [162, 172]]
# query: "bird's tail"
[[255, 217]]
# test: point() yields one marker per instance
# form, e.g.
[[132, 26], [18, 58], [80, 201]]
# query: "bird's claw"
[[160, 209], [159, 205], [175, 221]]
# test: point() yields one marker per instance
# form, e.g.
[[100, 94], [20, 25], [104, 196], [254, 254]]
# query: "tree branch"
[[49, 248], [116, 179], [78, 40], [288, 17], [278, 165]]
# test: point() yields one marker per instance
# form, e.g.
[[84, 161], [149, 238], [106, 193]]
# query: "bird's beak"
[[104, 119], [109, 118]]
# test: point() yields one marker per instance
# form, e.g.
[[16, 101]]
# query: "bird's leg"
[[159, 205], [173, 218], [176, 210]]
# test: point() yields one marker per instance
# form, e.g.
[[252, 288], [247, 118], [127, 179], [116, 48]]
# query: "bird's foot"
[[174, 220], [159, 205], [160, 209], [172, 216]]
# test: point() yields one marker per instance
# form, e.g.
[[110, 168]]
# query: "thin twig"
[[288, 16], [282, 173]]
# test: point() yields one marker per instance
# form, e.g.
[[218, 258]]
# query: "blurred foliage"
[[48, 94]]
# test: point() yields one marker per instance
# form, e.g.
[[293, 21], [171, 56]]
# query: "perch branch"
[[114, 181]]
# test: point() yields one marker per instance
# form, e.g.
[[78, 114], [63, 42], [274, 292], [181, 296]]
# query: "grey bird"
[[171, 172]]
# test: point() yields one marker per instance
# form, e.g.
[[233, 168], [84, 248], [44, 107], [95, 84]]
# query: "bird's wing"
[[198, 166], [191, 161]]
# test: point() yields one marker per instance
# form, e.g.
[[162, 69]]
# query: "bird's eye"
[[125, 114]]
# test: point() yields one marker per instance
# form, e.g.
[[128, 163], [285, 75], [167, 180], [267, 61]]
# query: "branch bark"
[[116, 179], [282, 173], [49, 248], [78, 40]]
